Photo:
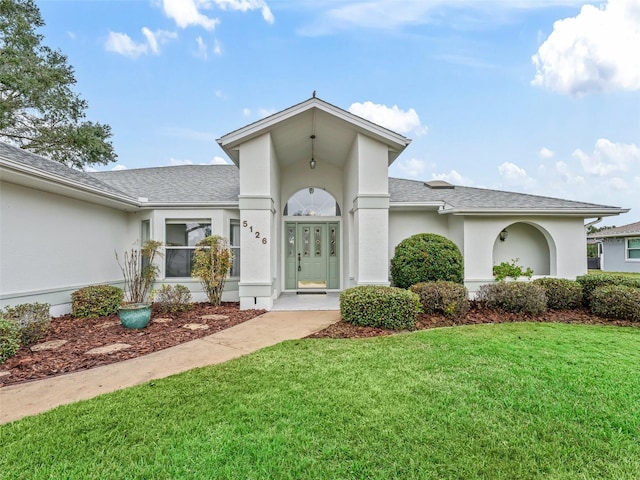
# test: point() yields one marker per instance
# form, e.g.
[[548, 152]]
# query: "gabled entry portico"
[[283, 250]]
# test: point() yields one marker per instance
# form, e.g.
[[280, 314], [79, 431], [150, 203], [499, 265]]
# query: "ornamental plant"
[[9, 339], [211, 264], [380, 306], [140, 271], [426, 257], [562, 293], [617, 301], [33, 320], [96, 301], [172, 299], [511, 270], [515, 297], [445, 298]]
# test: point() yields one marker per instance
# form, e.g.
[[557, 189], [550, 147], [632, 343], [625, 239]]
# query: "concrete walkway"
[[18, 401]]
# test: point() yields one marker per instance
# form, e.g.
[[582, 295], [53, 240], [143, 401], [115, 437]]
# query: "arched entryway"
[[312, 241], [528, 244]]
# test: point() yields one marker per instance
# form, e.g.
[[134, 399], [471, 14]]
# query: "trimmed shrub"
[[33, 320], [446, 298], [426, 257], [9, 339], [617, 301], [96, 301], [516, 297], [380, 306], [591, 282], [562, 293], [172, 299]]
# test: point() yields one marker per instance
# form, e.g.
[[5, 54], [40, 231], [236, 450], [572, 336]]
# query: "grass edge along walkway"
[[524, 400]]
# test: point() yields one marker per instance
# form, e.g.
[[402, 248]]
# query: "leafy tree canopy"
[[38, 109]]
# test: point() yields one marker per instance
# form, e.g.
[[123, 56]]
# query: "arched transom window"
[[312, 202]]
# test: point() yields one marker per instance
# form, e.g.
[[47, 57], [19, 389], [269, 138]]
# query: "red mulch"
[[84, 334], [476, 315]]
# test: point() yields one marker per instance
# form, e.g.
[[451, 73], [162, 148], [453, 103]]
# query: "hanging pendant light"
[[312, 162]]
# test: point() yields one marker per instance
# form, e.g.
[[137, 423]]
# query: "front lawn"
[[624, 274], [523, 400]]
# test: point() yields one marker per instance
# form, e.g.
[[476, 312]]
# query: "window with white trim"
[[181, 237], [633, 248], [234, 243]]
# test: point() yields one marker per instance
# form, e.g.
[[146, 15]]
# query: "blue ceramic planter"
[[135, 315]]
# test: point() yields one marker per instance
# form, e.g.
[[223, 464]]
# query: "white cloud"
[[617, 183], [453, 177], [247, 5], [545, 153], [397, 14], [595, 51], [412, 168], [118, 167], [217, 48], [563, 171], [260, 112], [609, 157], [175, 162], [123, 44], [390, 117], [246, 112], [186, 13], [202, 48], [515, 176]]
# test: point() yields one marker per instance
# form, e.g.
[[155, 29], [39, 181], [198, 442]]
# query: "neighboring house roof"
[[179, 185], [470, 200], [218, 185], [631, 229]]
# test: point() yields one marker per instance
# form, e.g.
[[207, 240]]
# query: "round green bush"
[[96, 301], [9, 339], [446, 298], [426, 257], [380, 306], [617, 301], [562, 293], [515, 297], [592, 281]]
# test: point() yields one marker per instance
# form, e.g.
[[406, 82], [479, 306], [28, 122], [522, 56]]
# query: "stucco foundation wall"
[[51, 245], [613, 257]]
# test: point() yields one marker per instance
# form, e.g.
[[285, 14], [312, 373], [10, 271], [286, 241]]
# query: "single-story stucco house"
[[307, 206], [619, 248]]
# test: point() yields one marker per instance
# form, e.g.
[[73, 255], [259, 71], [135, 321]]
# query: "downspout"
[[597, 220]]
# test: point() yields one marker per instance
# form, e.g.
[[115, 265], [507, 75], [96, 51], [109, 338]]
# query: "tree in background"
[[38, 110]]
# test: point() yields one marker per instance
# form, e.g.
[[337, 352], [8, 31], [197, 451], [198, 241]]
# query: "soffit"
[[335, 130]]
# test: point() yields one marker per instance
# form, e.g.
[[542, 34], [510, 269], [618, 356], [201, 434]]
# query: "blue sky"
[[533, 96]]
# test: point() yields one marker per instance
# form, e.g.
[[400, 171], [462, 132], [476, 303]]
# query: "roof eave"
[[566, 212], [20, 174]]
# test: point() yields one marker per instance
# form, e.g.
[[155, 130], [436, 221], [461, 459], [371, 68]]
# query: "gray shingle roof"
[[465, 198], [180, 184], [55, 169], [206, 184], [622, 231]]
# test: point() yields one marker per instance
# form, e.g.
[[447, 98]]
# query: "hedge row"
[[20, 325], [380, 306]]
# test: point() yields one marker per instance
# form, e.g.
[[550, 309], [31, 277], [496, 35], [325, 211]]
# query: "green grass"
[[508, 401], [624, 274]]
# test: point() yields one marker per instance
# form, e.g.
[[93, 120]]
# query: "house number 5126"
[[256, 234]]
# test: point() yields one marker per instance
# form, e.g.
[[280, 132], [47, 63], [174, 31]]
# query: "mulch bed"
[[84, 334], [477, 315]]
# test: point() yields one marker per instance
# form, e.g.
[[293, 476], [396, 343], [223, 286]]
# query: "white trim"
[[626, 250]]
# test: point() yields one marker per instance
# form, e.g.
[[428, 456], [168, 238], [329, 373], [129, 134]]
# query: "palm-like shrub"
[[426, 257]]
